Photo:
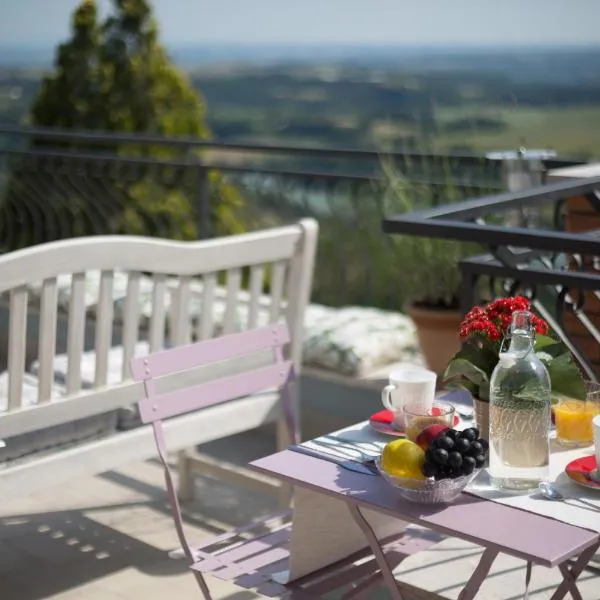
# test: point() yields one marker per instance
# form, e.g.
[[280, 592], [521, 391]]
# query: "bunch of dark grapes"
[[455, 453]]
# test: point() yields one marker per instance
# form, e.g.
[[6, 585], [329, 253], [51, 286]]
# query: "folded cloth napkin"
[[383, 416]]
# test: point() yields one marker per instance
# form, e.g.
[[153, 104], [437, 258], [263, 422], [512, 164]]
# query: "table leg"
[[570, 575], [378, 553], [479, 574], [527, 579]]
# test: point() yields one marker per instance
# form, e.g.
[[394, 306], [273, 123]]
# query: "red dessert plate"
[[584, 471], [382, 421]]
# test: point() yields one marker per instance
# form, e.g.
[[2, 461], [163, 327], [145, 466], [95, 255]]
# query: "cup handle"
[[385, 397]]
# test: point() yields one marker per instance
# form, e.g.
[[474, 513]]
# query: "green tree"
[[113, 75]]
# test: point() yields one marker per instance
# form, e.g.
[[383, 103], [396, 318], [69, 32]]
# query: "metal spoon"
[[465, 412], [551, 493]]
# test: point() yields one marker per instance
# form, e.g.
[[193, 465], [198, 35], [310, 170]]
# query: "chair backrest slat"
[[210, 351], [179, 402]]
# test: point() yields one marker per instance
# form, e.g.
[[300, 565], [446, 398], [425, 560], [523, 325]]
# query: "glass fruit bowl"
[[427, 491]]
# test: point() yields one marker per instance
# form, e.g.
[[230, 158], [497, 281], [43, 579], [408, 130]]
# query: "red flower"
[[493, 320]]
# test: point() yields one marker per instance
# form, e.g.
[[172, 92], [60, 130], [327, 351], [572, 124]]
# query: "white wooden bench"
[[282, 256]]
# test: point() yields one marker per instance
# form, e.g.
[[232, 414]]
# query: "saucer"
[[584, 471], [382, 422]]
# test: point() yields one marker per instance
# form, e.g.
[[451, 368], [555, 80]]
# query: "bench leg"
[[185, 476]]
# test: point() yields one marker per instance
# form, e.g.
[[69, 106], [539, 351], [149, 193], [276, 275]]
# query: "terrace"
[[107, 536]]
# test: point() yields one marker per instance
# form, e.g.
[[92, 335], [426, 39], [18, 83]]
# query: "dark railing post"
[[468, 288], [203, 204]]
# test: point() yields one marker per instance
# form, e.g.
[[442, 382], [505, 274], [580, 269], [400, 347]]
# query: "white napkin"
[[354, 443], [571, 511]]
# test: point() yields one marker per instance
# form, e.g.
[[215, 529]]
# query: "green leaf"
[[543, 340], [470, 369], [554, 348], [566, 378], [460, 368]]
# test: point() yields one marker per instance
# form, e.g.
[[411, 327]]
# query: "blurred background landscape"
[[379, 74], [211, 118], [446, 98]]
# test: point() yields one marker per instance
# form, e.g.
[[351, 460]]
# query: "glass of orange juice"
[[573, 418]]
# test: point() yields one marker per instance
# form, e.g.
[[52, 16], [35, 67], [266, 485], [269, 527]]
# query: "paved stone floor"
[[107, 537]]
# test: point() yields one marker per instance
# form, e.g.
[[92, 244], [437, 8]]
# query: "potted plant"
[[431, 286], [483, 331], [429, 280]]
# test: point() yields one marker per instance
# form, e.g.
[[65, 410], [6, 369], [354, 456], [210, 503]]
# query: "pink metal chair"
[[249, 556]]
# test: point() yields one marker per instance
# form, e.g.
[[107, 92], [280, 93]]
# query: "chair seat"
[[249, 557]]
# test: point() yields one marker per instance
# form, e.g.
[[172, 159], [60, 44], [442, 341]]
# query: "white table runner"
[[571, 512], [323, 530]]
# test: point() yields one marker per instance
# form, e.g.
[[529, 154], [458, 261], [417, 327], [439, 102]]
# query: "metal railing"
[[56, 184], [557, 269]]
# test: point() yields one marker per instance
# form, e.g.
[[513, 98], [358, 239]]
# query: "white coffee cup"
[[596, 428], [410, 387]]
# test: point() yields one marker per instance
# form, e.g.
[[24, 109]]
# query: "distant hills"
[[202, 54]]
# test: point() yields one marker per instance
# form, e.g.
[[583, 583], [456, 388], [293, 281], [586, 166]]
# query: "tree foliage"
[[113, 75]]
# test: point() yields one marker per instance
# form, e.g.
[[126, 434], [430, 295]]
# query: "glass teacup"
[[417, 420]]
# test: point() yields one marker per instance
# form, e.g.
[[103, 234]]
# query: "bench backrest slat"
[[93, 297]]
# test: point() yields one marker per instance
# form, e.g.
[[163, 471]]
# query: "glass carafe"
[[519, 411]]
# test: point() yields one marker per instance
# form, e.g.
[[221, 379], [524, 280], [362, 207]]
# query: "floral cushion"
[[355, 340]]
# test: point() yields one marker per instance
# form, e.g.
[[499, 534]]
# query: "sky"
[[311, 22]]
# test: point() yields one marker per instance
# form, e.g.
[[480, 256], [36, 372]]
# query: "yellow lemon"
[[403, 458]]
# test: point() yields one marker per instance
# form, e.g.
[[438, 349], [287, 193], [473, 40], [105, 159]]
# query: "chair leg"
[[185, 476], [203, 586]]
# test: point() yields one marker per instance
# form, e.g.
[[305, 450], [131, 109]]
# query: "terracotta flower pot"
[[481, 412], [437, 332]]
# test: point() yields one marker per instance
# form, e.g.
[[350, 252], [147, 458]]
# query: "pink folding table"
[[498, 528]]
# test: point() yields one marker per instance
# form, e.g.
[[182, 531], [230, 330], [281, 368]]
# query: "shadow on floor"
[[45, 554]]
